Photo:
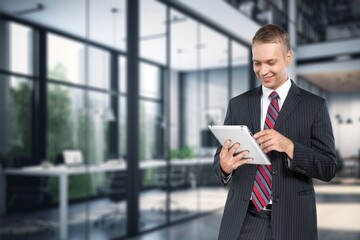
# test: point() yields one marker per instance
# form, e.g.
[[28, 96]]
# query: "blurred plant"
[[182, 153]]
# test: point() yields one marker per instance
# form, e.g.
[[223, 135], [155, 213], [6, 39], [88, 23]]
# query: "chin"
[[268, 84]]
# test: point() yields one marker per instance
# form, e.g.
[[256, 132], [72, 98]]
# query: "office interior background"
[[105, 106]]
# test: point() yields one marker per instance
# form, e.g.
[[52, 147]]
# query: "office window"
[[122, 106], [99, 68], [151, 118], [16, 117], [21, 49], [152, 40], [122, 74], [100, 115], [240, 69], [65, 65], [150, 81], [122, 121], [66, 120]]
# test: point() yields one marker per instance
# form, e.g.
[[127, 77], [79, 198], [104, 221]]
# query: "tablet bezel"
[[242, 135]]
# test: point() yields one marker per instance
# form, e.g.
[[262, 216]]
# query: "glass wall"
[[64, 90]]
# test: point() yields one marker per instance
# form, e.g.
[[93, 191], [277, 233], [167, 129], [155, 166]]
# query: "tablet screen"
[[242, 135]]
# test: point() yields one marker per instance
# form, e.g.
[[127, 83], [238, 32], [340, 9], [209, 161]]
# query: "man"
[[294, 129]]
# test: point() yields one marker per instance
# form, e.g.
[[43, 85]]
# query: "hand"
[[229, 161], [270, 140]]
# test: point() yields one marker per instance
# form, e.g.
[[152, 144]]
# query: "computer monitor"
[[72, 157]]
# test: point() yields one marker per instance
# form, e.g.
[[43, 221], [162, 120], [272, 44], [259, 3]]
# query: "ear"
[[288, 58]]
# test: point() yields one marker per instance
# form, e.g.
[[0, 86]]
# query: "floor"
[[338, 209]]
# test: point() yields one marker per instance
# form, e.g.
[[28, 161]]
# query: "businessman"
[[293, 127]]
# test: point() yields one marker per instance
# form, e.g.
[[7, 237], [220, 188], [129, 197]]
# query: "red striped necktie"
[[261, 194]]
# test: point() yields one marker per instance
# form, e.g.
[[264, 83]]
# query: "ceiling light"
[[39, 7]]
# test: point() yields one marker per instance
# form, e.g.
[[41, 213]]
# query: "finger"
[[225, 149], [263, 140], [259, 134], [233, 149], [226, 145], [241, 155], [242, 162]]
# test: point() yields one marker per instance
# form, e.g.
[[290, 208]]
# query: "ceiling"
[[346, 81], [193, 45]]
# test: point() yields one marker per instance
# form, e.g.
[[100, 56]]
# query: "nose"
[[263, 70]]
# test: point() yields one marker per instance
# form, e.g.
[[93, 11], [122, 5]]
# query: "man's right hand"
[[229, 161]]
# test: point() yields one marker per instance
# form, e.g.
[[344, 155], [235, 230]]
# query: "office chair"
[[178, 178], [26, 194], [115, 189]]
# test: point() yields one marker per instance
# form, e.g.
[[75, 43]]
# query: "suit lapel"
[[292, 99], [255, 109]]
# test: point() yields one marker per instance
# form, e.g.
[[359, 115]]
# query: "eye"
[[256, 64]]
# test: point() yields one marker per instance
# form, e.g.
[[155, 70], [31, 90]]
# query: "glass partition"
[[63, 85], [240, 69]]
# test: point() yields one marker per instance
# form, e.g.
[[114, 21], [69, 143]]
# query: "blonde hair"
[[272, 33]]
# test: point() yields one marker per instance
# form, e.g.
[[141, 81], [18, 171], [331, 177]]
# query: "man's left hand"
[[271, 140]]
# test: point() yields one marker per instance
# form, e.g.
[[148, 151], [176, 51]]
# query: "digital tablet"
[[241, 134]]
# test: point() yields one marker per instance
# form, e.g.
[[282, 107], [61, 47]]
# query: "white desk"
[[63, 172]]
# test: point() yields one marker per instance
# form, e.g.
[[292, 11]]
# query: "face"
[[270, 61]]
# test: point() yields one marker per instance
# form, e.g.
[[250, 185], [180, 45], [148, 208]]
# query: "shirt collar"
[[282, 91]]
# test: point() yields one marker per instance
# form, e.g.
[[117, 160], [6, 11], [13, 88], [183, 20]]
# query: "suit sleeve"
[[216, 163], [318, 160]]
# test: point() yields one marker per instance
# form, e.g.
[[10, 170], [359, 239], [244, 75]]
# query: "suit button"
[[275, 199], [274, 172]]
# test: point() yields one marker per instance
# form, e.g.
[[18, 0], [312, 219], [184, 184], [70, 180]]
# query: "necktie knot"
[[274, 95]]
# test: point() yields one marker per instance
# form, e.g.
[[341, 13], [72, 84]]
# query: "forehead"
[[266, 51]]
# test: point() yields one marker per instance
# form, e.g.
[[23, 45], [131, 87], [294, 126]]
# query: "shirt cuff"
[[224, 178], [289, 161]]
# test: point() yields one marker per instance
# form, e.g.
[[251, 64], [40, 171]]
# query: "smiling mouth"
[[266, 79]]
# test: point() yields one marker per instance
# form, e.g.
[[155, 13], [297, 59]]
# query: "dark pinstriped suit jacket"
[[305, 120]]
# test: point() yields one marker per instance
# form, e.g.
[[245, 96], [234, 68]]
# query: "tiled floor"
[[338, 208]]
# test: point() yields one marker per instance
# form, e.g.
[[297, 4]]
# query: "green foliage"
[[59, 125], [20, 120], [182, 153]]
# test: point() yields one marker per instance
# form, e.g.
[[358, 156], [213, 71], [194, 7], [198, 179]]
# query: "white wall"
[[347, 136]]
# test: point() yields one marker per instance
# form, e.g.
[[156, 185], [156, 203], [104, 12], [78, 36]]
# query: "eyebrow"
[[270, 60]]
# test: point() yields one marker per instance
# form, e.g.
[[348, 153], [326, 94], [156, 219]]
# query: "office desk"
[[63, 173]]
